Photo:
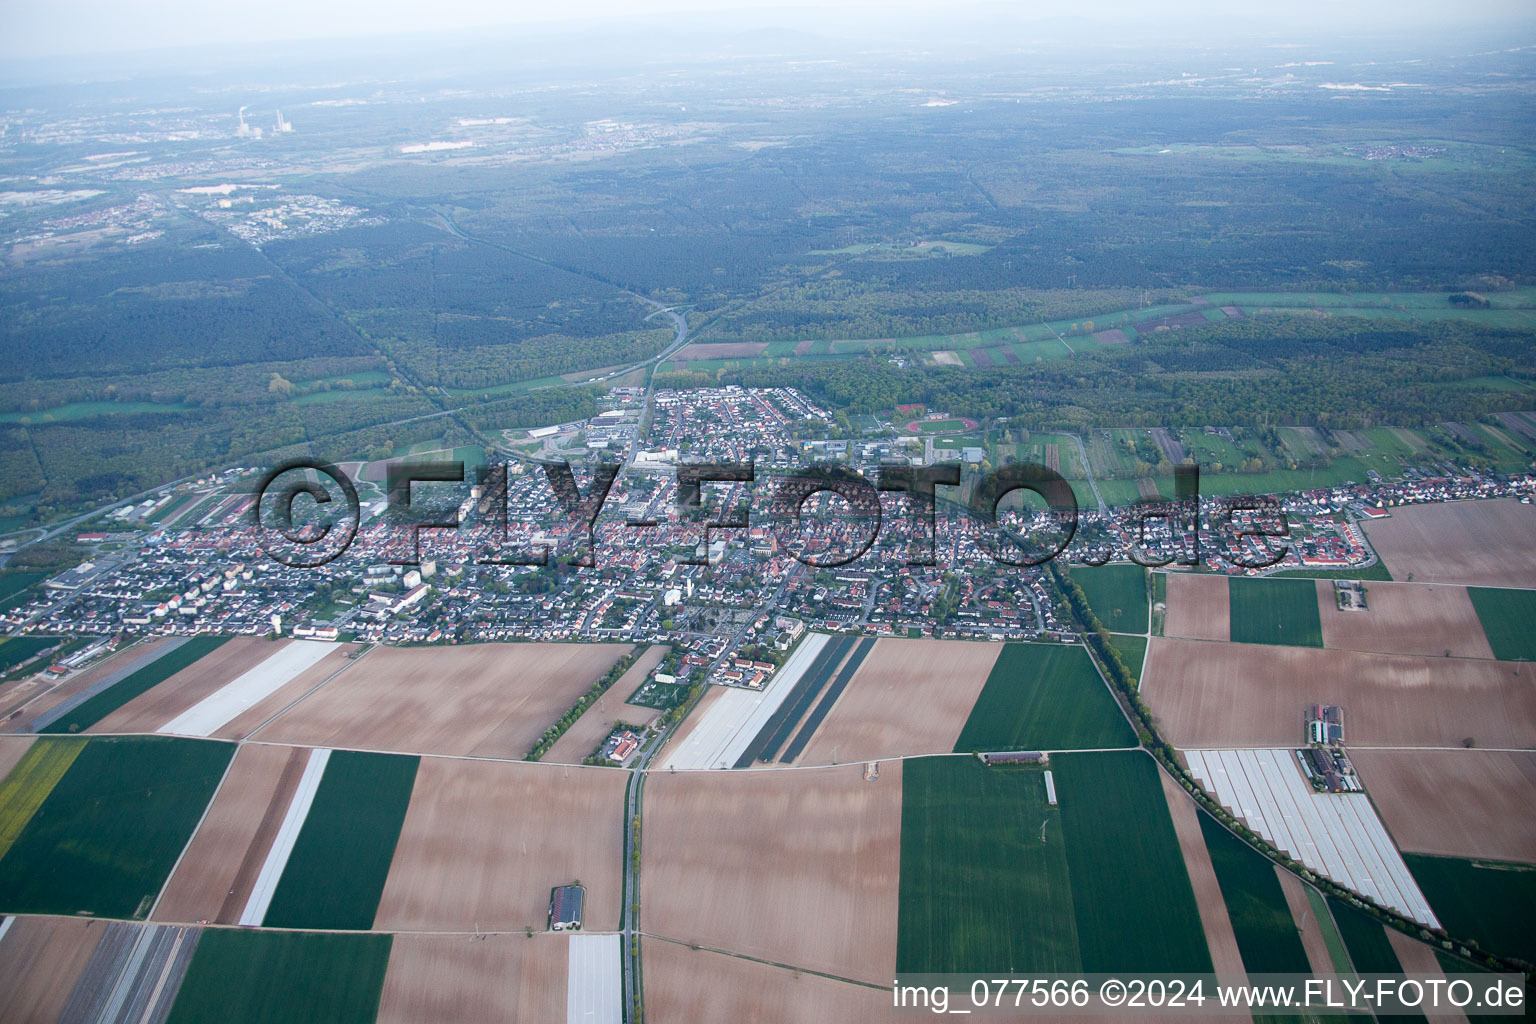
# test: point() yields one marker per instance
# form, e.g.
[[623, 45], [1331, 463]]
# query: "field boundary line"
[[308, 693], [287, 836], [760, 960]]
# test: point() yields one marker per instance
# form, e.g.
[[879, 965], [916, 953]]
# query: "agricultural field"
[[111, 828], [1275, 611], [1507, 617], [102, 704], [14, 650], [1486, 900], [1366, 939], [796, 867], [1117, 594], [683, 984], [1240, 695], [246, 688], [462, 979], [214, 880], [1199, 606], [483, 842], [1132, 897], [979, 890], [909, 697], [336, 872], [1455, 803], [1133, 651], [1215, 921], [41, 960], [324, 977], [222, 661], [1261, 918], [1044, 697], [1405, 618], [1473, 543], [480, 700]]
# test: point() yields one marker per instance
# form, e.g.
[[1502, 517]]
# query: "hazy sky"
[[34, 28]]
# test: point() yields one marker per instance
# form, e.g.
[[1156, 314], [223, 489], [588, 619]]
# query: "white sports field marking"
[[735, 718], [594, 986], [1335, 834], [241, 694], [282, 845]]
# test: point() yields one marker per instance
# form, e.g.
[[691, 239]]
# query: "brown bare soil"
[[802, 347], [1219, 936], [683, 986], [1199, 607], [41, 960], [45, 696], [485, 841], [216, 875], [909, 697], [1477, 543], [797, 867], [1301, 912], [698, 714], [1113, 336], [461, 979], [12, 749], [250, 720], [484, 700], [1405, 618], [1254, 695], [1418, 958], [164, 701], [598, 720], [1456, 803], [723, 350]]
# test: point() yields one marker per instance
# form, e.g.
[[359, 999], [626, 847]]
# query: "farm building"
[[565, 903], [1050, 788], [1014, 757]]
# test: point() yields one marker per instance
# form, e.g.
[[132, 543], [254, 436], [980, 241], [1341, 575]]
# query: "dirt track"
[[456, 979], [215, 877], [41, 959], [165, 700], [909, 697], [1254, 695], [1199, 607], [1312, 940], [797, 867], [1457, 803], [484, 842], [1405, 618], [1477, 543], [483, 700], [597, 721]]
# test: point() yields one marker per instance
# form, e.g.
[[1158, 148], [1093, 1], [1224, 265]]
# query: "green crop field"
[[16, 649], [86, 410], [979, 891], [336, 873], [1266, 932], [1044, 697], [252, 977], [131, 686], [107, 836], [1131, 894], [1506, 616], [1275, 611], [1118, 595], [1366, 939], [1482, 900], [30, 782], [1133, 651], [13, 583]]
